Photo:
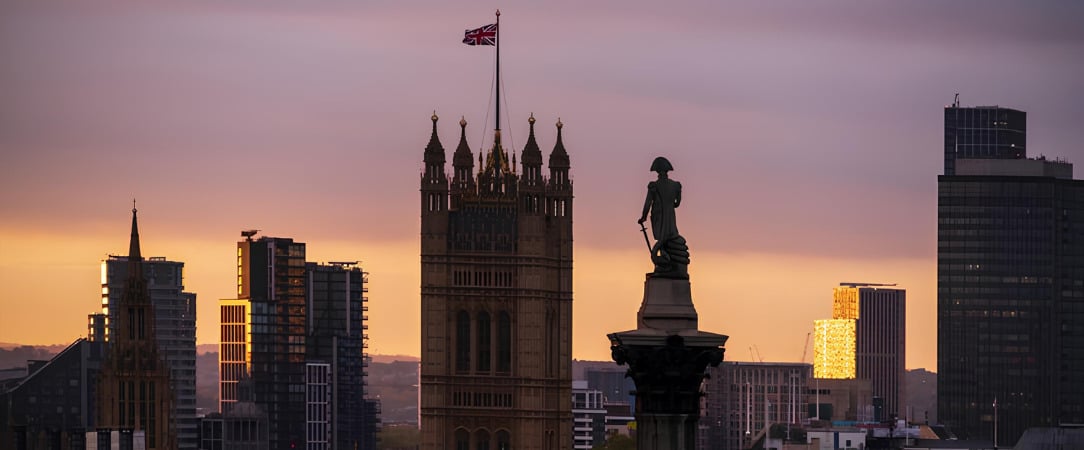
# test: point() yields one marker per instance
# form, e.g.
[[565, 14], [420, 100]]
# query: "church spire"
[[134, 256]]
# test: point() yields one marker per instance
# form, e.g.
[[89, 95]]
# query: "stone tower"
[[496, 273], [133, 390]]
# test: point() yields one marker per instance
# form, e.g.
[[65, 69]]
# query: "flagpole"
[[498, 82]]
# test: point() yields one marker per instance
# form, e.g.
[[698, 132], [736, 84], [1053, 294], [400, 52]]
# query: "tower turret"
[[434, 156], [463, 159], [559, 162], [434, 181], [532, 159], [532, 186]]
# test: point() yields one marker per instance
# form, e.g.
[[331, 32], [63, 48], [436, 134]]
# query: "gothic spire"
[[462, 156], [532, 155], [434, 152], [559, 157], [134, 256]]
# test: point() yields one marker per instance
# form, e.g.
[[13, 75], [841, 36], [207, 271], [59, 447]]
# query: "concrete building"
[[588, 416], [742, 399], [1010, 271], [175, 330], [496, 298]]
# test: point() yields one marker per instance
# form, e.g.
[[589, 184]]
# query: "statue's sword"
[[646, 240]]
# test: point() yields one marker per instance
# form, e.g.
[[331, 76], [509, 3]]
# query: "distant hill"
[[394, 358], [16, 355]]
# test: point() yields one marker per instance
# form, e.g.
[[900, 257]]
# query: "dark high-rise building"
[[1010, 288], [496, 298], [175, 330], [984, 132], [134, 391], [271, 287], [295, 338], [336, 338]]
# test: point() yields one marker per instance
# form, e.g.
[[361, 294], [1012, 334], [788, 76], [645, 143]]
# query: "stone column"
[[667, 357]]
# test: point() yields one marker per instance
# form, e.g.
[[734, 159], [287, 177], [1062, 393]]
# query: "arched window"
[[462, 342], [481, 440], [504, 440], [504, 342], [484, 341], [462, 439]]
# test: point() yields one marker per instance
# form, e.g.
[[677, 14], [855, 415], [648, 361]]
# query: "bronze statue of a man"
[[670, 254]]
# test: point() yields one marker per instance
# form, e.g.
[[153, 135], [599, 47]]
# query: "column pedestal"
[[667, 357]]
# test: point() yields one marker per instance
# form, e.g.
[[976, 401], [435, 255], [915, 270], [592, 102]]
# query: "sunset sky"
[[807, 135]]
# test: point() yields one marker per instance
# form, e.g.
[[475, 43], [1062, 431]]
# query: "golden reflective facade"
[[834, 348], [845, 303]]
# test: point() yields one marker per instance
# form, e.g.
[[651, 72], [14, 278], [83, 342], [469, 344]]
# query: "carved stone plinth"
[[667, 356]]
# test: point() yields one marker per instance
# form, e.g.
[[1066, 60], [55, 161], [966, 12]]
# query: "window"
[[484, 342], [462, 342], [504, 343], [462, 439], [481, 440], [504, 440]]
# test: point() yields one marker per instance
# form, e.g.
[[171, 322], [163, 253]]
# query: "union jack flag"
[[486, 35]]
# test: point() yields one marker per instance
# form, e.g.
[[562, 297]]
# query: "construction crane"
[[758, 357], [805, 348]]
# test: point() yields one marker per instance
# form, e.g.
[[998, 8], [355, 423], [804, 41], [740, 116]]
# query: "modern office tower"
[[588, 416], [1010, 285], [985, 132], [175, 330], [834, 348], [134, 386], [296, 338], [879, 312], [743, 399], [496, 298], [54, 404], [864, 339]]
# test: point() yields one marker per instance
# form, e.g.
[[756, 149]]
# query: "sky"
[[807, 136]]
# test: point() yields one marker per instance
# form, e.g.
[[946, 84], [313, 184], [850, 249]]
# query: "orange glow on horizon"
[[763, 299]]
